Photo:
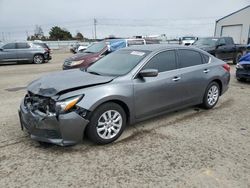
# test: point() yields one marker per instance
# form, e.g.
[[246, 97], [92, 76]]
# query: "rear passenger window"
[[205, 58], [229, 41], [164, 61], [222, 41], [22, 45], [188, 58]]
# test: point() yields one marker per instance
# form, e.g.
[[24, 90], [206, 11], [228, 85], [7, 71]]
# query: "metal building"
[[236, 25]]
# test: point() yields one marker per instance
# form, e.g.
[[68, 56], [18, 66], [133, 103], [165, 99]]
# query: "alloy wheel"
[[213, 95], [38, 59], [109, 124]]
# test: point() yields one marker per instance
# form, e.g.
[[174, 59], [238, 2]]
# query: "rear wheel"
[[38, 59], [211, 95], [106, 123], [237, 58]]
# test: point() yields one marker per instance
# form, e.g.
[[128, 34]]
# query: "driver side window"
[[222, 41], [164, 61]]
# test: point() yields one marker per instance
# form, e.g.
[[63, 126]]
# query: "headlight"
[[66, 105], [73, 63], [239, 66]]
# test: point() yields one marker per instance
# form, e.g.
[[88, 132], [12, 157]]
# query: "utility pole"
[[95, 23], [27, 34], [3, 36]]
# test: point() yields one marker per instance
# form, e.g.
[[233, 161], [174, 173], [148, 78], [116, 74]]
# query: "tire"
[[109, 129], [45, 144], [241, 79], [211, 96], [38, 59], [237, 58]]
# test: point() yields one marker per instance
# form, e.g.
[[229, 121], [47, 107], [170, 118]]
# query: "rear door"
[[194, 74], [23, 51], [153, 95], [8, 52]]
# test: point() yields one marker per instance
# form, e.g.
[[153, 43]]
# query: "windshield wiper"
[[88, 52]]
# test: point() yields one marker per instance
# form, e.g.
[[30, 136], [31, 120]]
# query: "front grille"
[[51, 134], [36, 102], [246, 67]]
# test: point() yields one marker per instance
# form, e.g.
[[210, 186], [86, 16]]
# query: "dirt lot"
[[189, 148]]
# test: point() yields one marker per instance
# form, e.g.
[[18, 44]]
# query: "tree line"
[[56, 33]]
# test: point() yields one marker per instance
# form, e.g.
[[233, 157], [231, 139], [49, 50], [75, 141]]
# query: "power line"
[[115, 25], [103, 20]]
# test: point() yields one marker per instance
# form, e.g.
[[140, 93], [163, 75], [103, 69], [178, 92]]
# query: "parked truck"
[[221, 47]]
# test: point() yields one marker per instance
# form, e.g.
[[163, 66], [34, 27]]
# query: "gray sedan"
[[24, 51], [125, 87]]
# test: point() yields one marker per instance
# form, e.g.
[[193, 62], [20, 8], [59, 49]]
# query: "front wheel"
[[237, 58], [38, 59], [107, 123], [211, 95]]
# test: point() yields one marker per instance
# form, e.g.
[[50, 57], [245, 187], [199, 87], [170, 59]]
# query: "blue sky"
[[115, 17]]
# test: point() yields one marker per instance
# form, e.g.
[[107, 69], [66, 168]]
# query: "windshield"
[[206, 42], [188, 38], [117, 63], [95, 48]]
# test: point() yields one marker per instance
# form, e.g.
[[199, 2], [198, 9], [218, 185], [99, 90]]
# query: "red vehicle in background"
[[100, 49]]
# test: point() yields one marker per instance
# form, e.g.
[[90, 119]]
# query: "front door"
[[153, 95], [8, 53]]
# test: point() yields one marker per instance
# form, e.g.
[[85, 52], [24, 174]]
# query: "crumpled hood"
[[245, 58], [80, 56], [244, 62], [64, 81]]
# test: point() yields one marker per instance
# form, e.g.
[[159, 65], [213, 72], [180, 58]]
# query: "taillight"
[[226, 67]]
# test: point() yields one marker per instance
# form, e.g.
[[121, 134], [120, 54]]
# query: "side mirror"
[[149, 73], [1, 49], [220, 44]]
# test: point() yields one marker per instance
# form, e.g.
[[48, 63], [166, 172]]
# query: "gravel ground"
[[188, 148]]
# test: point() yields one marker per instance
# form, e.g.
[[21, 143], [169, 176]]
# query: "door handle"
[[206, 70], [176, 78]]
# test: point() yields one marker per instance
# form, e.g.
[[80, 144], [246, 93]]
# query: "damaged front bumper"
[[64, 130], [242, 73]]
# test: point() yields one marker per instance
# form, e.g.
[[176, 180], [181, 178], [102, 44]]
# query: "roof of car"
[[156, 47]]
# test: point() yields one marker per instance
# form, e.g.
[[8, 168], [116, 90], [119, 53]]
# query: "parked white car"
[[186, 41], [81, 48]]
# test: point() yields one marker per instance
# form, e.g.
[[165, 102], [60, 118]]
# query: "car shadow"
[[14, 63]]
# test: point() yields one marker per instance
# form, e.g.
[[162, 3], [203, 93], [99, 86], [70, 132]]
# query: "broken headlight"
[[67, 104], [239, 66]]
